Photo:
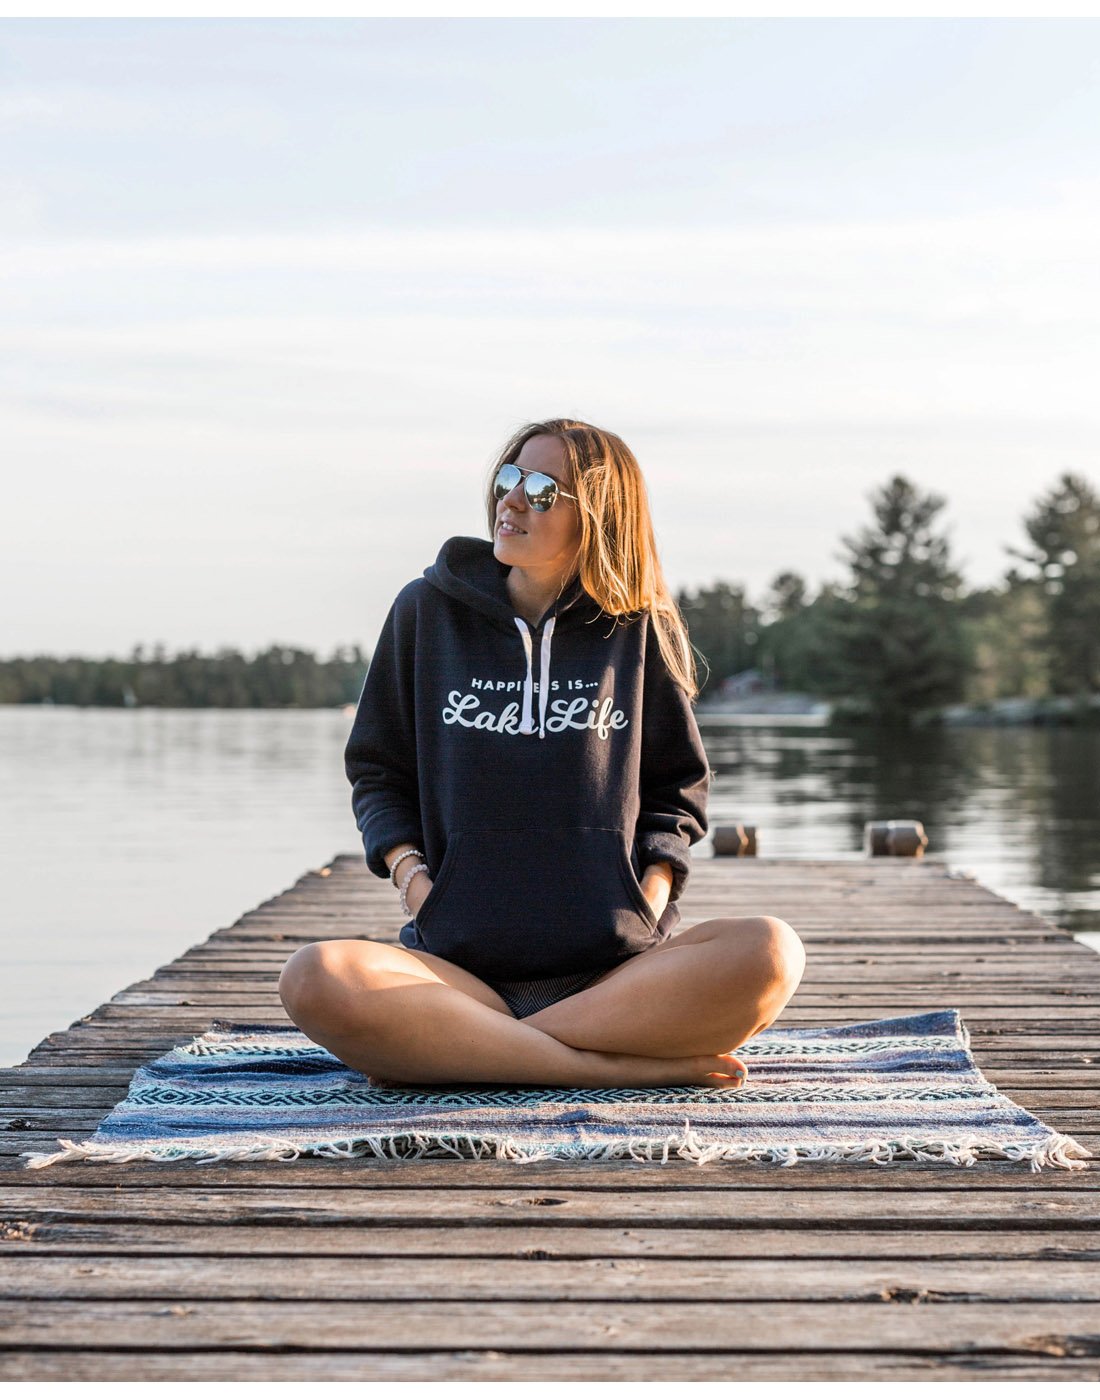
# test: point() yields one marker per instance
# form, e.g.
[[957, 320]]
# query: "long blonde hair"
[[617, 561]]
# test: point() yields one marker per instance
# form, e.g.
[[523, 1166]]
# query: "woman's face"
[[550, 538]]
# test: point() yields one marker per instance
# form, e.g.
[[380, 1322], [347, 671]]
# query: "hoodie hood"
[[468, 570]]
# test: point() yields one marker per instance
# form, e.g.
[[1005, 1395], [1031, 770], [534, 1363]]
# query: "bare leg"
[[706, 990], [388, 1012]]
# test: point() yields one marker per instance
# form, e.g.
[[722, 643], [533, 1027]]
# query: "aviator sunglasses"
[[541, 490]]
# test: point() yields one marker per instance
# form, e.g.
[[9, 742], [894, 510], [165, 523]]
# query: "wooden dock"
[[477, 1270]]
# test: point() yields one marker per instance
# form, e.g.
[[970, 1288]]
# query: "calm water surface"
[[126, 835]]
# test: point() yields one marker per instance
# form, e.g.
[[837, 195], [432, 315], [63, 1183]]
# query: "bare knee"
[[766, 954], [784, 953], [312, 980]]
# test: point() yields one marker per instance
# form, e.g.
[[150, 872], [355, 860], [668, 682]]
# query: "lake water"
[[127, 835]]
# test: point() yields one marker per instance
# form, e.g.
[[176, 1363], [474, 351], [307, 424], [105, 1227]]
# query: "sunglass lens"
[[541, 490], [506, 479]]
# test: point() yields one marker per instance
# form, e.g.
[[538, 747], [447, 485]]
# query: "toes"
[[732, 1071]]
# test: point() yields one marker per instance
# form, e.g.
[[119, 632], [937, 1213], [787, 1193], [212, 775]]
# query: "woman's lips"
[[505, 529]]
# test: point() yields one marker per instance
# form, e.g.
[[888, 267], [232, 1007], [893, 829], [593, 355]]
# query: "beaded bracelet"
[[412, 851], [405, 885]]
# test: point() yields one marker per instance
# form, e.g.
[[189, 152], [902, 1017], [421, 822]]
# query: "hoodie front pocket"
[[439, 883], [531, 902], [634, 885]]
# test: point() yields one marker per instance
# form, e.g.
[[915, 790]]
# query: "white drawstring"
[[526, 725], [527, 722], [544, 676]]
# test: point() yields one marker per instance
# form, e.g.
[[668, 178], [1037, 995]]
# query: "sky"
[[273, 293]]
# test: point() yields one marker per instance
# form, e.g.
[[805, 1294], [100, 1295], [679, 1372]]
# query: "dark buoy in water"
[[896, 838]]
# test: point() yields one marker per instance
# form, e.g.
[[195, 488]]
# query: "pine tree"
[[1064, 529], [901, 644]]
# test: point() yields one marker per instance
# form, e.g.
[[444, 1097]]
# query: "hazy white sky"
[[273, 292]]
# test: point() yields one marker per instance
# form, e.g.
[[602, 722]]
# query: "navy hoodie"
[[540, 770]]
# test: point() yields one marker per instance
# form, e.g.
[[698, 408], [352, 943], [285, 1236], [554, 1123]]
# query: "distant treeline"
[[227, 679], [896, 639], [901, 636]]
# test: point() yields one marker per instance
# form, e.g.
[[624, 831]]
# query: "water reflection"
[[1019, 807], [127, 835]]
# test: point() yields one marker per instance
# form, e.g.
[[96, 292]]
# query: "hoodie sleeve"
[[675, 774], [380, 757]]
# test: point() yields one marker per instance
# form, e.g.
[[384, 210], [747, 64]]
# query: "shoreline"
[[1066, 711]]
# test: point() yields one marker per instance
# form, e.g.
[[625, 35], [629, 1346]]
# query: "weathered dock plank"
[[489, 1365], [533, 1240], [518, 1327], [330, 1270]]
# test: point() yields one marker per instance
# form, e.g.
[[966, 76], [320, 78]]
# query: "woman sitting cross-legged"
[[527, 769]]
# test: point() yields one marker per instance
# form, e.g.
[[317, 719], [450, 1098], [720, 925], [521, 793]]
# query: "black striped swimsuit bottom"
[[526, 997]]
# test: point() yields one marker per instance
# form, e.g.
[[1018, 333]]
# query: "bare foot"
[[730, 1073], [639, 1071]]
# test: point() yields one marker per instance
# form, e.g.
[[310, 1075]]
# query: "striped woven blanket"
[[892, 1091]]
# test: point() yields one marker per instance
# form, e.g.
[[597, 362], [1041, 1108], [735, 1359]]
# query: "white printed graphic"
[[597, 714]]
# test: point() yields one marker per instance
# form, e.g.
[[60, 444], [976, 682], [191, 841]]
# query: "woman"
[[527, 770]]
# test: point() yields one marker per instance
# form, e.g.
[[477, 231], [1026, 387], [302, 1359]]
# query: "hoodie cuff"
[[382, 838], [663, 845]]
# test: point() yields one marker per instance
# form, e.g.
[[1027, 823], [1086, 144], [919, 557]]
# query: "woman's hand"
[[417, 893], [656, 885]]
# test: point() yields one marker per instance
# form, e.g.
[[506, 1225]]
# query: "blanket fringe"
[[1056, 1150]]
